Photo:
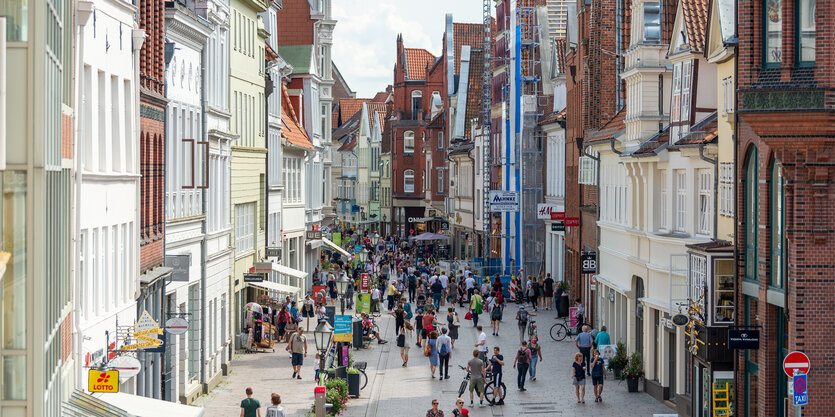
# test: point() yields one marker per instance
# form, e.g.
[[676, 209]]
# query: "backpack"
[[500, 298], [443, 349], [523, 317], [523, 356]]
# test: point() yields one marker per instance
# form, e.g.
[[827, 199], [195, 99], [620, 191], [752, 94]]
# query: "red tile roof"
[[269, 54], [474, 98], [417, 62], [348, 107], [380, 97], [292, 131], [466, 34], [553, 117], [559, 49], [609, 130], [695, 21], [374, 108], [703, 132], [654, 144]]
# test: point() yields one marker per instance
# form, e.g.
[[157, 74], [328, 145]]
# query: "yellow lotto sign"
[[107, 381]]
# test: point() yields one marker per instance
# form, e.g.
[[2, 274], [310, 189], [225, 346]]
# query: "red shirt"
[[427, 323]]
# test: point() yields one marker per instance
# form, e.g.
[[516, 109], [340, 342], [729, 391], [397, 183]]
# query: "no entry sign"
[[796, 360]]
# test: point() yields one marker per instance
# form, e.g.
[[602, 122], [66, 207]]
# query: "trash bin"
[[354, 384], [564, 304], [357, 334]]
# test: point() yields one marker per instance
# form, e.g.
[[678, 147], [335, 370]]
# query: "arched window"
[[751, 203], [408, 142], [408, 181], [417, 104], [777, 201]]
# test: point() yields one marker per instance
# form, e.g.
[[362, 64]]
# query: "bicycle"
[[559, 330], [531, 329], [489, 388]]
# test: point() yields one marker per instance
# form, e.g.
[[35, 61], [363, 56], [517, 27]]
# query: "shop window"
[[723, 290], [751, 202]]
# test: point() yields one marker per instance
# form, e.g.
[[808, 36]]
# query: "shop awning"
[[336, 247], [274, 286], [132, 405], [286, 270]]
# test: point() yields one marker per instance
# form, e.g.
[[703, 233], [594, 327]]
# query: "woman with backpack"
[[495, 308]]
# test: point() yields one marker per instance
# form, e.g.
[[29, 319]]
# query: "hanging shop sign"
[[589, 262], [743, 339], [680, 319], [180, 265], [572, 221], [504, 201], [364, 286], [545, 210], [179, 325], [261, 267], [274, 253], [127, 366], [144, 331], [313, 235], [102, 381], [253, 277], [558, 215], [558, 226]]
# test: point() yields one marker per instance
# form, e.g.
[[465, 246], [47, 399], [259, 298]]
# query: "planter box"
[[354, 385], [632, 384]]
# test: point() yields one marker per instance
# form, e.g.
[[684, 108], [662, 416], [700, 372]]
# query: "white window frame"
[[665, 204], [698, 280], [409, 175], [419, 95], [686, 83], [244, 229], [681, 200], [705, 201], [726, 187], [441, 140], [588, 170], [441, 181], [408, 142]]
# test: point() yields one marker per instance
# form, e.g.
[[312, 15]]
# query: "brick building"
[[417, 91], [785, 212]]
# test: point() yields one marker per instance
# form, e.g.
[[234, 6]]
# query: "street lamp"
[[322, 335], [364, 255], [341, 288], [374, 239]]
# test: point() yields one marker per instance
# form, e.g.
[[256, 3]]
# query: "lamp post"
[[341, 287], [322, 335]]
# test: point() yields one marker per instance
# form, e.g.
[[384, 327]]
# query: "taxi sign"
[[102, 381], [796, 360], [799, 387]]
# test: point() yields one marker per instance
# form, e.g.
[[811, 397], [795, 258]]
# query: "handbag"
[[468, 316], [428, 350]]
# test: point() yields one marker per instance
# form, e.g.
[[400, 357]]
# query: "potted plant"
[[619, 361], [353, 382], [336, 394], [633, 372]]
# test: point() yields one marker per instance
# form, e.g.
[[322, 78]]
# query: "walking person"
[[435, 411], [432, 347], [536, 356], [459, 410], [298, 350], [275, 409], [581, 312], [497, 362], [250, 407], [444, 344], [399, 318], [557, 299], [583, 342], [521, 362], [578, 378], [598, 374], [404, 345], [481, 344], [476, 305], [522, 321], [437, 289], [453, 322], [419, 326], [495, 314], [548, 291], [477, 375], [602, 338]]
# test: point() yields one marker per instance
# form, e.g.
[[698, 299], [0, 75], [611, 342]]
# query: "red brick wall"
[[66, 337], [295, 27], [152, 55], [152, 185]]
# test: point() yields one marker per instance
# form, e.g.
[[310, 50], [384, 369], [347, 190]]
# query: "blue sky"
[[366, 34]]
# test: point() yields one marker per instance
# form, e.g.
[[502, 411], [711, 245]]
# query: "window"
[[588, 171], [751, 202], [409, 143], [681, 200], [17, 20], [698, 280], [777, 226], [408, 181], [665, 205], [244, 228], [726, 189], [652, 22], [441, 181], [291, 252], [441, 140], [805, 32], [773, 28], [686, 71], [723, 290], [417, 104], [676, 107], [194, 332], [324, 120], [705, 201]]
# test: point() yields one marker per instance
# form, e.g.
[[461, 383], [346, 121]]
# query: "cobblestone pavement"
[[396, 391]]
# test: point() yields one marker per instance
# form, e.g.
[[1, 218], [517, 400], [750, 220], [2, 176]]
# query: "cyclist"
[[477, 374], [497, 361], [522, 320]]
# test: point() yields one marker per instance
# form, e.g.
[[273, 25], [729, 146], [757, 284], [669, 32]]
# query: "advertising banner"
[[342, 331], [363, 304], [504, 201], [319, 293]]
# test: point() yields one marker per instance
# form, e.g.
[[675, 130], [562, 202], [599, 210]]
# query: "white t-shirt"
[[375, 294], [432, 279], [470, 282], [482, 337], [444, 280]]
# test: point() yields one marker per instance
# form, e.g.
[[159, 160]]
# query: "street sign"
[[128, 367], [589, 262], [680, 320], [178, 325], [313, 235], [799, 387], [342, 330], [558, 226], [144, 332], [743, 339], [98, 381], [274, 253], [796, 360], [572, 221], [253, 277]]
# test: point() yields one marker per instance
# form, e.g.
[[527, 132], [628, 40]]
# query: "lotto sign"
[[796, 360], [98, 381], [589, 262], [799, 388]]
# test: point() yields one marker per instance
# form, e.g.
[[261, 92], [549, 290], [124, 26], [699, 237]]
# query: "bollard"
[[319, 401]]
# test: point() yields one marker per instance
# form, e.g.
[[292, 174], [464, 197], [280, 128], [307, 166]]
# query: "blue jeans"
[[586, 351], [475, 318], [534, 359], [520, 379], [436, 299]]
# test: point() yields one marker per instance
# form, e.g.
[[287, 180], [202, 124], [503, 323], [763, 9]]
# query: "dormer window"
[[652, 22]]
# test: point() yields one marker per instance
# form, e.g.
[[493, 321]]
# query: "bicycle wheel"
[[558, 332], [364, 379], [462, 388]]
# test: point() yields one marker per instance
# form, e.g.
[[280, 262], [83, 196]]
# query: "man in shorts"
[[477, 374], [497, 360], [298, 350]]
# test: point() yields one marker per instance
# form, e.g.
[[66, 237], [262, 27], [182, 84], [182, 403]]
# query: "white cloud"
[[365, 40]]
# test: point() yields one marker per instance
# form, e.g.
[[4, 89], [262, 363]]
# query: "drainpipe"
[[203, 229], [715, 184]]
